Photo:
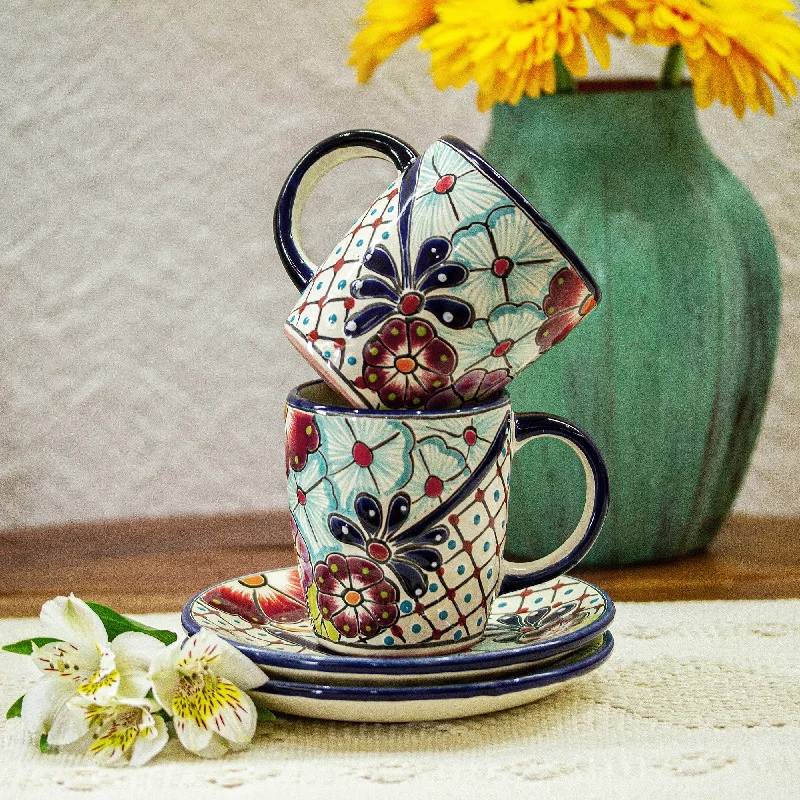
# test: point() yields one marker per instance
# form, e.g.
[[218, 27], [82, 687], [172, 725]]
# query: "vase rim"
[[601, 85]]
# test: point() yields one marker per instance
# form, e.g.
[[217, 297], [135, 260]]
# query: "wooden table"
[[156, 565]]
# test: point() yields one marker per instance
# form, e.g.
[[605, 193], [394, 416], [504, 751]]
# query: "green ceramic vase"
[[670, 373]]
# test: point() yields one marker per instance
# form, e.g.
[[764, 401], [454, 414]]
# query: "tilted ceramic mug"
[[400, 518], [448, 286]]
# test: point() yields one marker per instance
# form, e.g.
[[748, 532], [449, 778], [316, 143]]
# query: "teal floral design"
[[438, 471], [508, 259], [366, 455], [449, 191], [470, 435], [506, 340], [311, 499]]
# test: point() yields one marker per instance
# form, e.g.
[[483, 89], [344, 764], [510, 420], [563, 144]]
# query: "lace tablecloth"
[[698, 698]]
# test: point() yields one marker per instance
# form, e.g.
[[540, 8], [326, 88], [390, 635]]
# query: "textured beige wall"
[[142, 365]]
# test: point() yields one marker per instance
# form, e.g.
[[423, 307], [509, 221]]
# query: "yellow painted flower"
[[508, 47], [732, 46], [322, 626], [386, 25]]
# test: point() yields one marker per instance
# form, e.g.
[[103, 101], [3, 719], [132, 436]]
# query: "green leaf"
[[265, 715], [25, 646], [16, 709], [43, 746], [115, 624]]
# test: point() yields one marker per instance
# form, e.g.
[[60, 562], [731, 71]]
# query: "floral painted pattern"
[[504, 340], [254, 600], [508, 259], [392, 292], [439, 470], [410, 555], [476, 386], [567, 303], [450, 190], [354, 596], [365, 455], [311, 495], [406, 363], [527, 628], [302, 438]]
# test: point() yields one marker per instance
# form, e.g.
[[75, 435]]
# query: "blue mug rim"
[[295, 400]]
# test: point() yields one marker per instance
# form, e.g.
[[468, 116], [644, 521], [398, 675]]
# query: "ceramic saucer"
[[264, 616], [436, 702]]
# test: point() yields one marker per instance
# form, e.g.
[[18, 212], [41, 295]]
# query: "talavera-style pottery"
[[448, 286], [400, 518], [425, 703], [264, 615]]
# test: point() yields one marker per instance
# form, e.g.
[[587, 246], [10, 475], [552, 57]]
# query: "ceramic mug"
[[400, 518], [448, 286]]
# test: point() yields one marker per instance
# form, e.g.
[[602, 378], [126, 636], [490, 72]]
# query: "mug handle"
[[308, 172], [520, 575]]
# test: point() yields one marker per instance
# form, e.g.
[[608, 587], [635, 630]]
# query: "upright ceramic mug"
[[400, 518], [449, 285]]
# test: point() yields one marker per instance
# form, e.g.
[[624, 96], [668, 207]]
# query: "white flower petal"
[[43, 701], [70, 619], [164, 675], [103, 684], [135, 652], [233, 665], [238, 724], [69, 725], [216, 748], [192, 736], [65, 660], [150, 744]]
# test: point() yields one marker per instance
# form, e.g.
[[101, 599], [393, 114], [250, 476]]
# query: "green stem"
[[565, 83], [674, 66]]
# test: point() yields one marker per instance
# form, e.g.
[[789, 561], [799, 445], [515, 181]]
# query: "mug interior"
[[320, 397]]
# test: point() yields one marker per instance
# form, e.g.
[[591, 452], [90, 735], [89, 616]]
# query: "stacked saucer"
[[537, 641]]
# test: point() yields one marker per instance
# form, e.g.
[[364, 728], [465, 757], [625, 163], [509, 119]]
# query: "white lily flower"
[[116, 733], [201, 685], [84, 663]]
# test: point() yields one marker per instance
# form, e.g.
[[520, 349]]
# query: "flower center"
[[362, 455], [301, 497], [470, 436], [434, 486], [445, 184], [410, 303], [405, 365], [502, 266], [378, 550], [502, 347], [352, 598]]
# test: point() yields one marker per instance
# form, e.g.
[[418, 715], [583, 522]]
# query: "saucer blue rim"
[[411, 665], [500, 686]]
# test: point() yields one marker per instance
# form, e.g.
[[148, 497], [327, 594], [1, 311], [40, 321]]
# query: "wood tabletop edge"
[[145, 565]]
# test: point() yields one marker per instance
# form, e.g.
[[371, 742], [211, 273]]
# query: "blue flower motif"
[[409, 554], [409, 294]]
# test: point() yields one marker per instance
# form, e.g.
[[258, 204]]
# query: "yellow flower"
[[508, 47], [731, 46], [386, 25], [322, 626]]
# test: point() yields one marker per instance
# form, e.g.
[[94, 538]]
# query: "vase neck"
[[623, 124]]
